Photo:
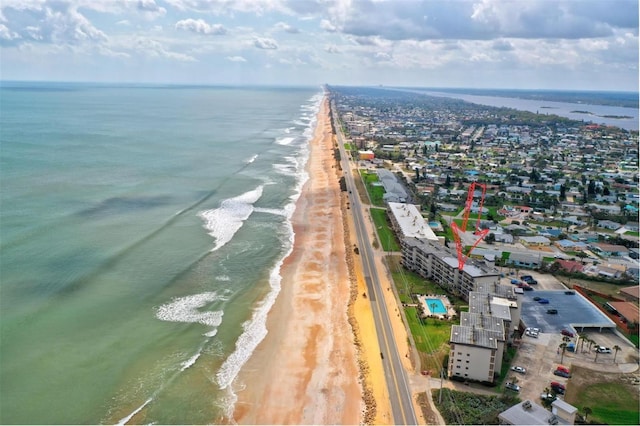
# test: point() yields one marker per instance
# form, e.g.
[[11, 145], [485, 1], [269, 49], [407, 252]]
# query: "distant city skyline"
[[532, 44]]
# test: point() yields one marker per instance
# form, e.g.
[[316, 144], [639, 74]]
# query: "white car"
[[531, 334], [603, 350], [519, 369]]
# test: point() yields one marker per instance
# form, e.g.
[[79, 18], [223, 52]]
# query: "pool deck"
[[451, 312]]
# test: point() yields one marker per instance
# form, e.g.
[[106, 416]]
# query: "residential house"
[[536, 241], [609, 224], [523, 260], [569, 265], [605, 249]]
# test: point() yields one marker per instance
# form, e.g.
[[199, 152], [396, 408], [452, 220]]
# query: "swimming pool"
[[436, 306], [434, 224]]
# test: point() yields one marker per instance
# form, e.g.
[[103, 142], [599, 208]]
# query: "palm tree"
[[596, 358], [563, 346], [582, 337], [587, 411], [616, 348]]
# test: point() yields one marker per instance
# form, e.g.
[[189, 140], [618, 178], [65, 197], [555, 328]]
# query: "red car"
[[563, 368], [566, 332]]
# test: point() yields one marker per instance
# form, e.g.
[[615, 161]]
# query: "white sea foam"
[[277, 212], [254, 330], [285, 141], [124, 420], [223, 278], [185, 309], [223, 222], [188, 363], [252, 159]]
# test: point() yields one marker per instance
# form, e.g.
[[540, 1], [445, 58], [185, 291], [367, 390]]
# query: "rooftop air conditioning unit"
[[526, 405]]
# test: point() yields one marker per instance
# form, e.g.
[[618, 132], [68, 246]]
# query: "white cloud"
[[155, 49], [236, 59], [200, 26], [332, 48], [265, 43], [283, 26]]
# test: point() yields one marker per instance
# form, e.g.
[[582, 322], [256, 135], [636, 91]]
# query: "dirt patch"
[[427, 411]]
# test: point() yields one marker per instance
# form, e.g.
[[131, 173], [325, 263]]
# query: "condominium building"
[[474, 353], [408, 222], [438, 263]]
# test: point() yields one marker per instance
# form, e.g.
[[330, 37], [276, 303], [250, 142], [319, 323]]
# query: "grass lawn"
[[386, 236], [632, 233], [610, 403], [431, 337], [347, 146], [375, 192]]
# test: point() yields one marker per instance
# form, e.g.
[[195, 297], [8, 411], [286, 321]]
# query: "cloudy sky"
[[556, 44]]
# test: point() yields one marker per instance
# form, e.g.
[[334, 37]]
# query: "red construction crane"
[[481, 233]]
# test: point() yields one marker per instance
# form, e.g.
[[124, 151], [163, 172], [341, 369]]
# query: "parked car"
[[563, 368], [558, 388], [543, 301], [547, 396], [603, 350], [526, 277], [531, 333], [552, 311], [512, 386], [562, 373], [514, 281], [519, 369], [566, 332], [537, 298]]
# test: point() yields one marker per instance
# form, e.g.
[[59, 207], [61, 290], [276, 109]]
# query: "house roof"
[[610, 247], [570, 265], [633, 291], [529, 413], [629, 310]]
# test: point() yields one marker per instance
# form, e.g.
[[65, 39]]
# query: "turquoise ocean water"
[[141, 233]]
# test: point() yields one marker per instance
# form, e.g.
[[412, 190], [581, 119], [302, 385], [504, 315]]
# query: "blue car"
[[515, 282], [543, 301]]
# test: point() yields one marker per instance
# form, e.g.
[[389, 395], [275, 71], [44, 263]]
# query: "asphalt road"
[[396, 378]]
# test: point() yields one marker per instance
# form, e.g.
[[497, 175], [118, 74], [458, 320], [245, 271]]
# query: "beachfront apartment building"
[[407, 222], [474, 353], [430, 259]]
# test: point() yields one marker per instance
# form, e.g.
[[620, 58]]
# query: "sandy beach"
[[306, 370]]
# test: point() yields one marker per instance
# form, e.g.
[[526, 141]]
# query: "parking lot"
[[573, 309]]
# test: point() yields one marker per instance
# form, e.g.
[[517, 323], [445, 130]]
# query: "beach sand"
[[306, 370]]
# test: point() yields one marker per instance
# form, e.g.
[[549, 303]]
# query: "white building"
[[408, 222]]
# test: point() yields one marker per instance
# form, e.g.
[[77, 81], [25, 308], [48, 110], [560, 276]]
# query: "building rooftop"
[[411, 222], [487, 322], [490, 305], [529, 413], [475, 336]]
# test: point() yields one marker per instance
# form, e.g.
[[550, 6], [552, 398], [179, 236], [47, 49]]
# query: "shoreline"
[[307, 369]]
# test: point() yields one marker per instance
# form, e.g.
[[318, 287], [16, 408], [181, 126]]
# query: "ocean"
[[141, 235]]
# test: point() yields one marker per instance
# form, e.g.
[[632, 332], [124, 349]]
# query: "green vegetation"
[[431, 337], [347, 146], [375, 192], [386, 236], [632, 233], [471, 409], [610, 403]]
